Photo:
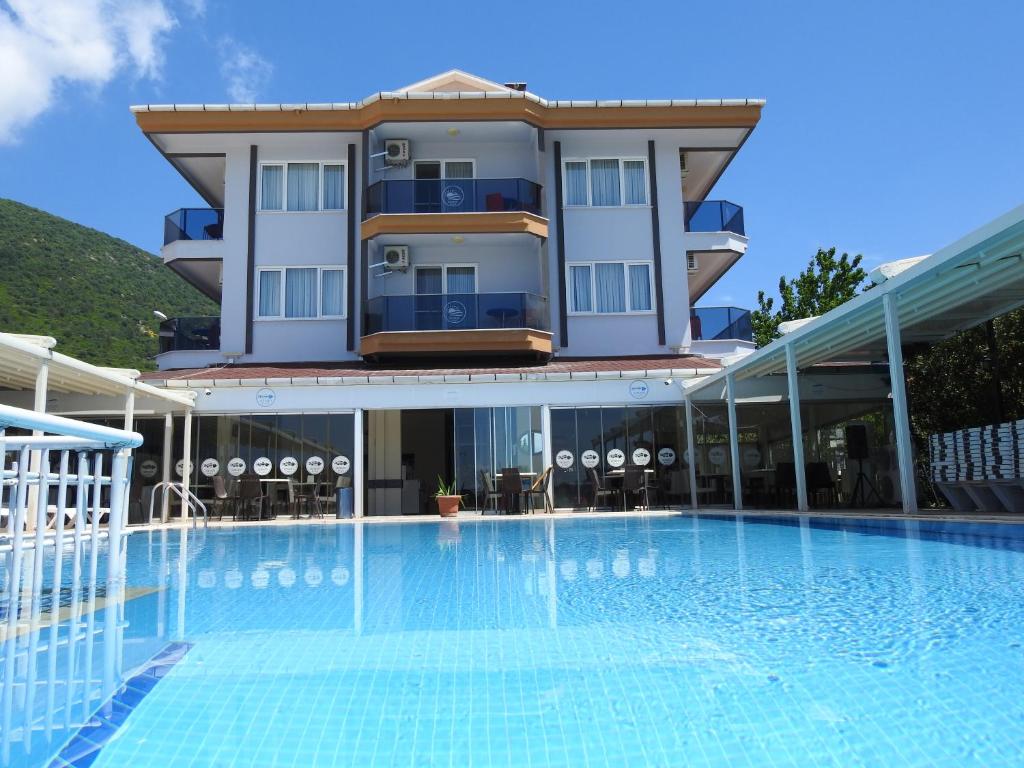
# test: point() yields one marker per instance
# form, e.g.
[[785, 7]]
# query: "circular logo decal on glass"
[[666, 457], [341, 465], [590, 459], [262, 466], [453, 196], [641, 457], [716, 455], [148, 468], [265, 398], [314, 465], [751, 456], [638, 389], [209, 467], [564, 459], [616, 458], [236, 467], [289, 465], [179, 467], [454, 312]]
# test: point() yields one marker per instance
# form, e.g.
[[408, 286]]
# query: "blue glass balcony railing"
[[714, 216], [452, 196], [189, 333], [194, 224], [455, 312], [720, 323]]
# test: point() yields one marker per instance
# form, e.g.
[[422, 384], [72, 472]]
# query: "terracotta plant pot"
[[448, 506]]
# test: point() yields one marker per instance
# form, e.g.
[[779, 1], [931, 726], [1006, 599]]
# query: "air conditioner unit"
[[691, 262], [396, 152], [396, 257]]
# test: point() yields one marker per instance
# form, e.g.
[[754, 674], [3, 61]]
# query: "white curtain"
[[270, 293], [332, 286], [639, 288], [303, 186], [458, 169], [610, 282], [604, 182], [300, 292], [428, 280], [580, 287], [461, 279], [334, 187], [576, 183], [270, 194], [635, 182]]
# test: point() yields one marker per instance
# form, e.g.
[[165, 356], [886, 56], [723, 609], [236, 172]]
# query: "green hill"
[[92, 292]]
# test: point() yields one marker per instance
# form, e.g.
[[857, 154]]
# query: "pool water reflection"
[[661, 641]]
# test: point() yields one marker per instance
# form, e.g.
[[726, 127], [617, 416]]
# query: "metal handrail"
[[184, 494]]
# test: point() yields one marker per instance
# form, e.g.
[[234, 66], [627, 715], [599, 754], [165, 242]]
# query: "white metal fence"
[[63, 491]]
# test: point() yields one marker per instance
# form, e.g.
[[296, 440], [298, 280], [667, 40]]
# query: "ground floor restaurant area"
[[520, 459]]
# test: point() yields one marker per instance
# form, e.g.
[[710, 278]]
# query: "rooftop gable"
[[454, 81]]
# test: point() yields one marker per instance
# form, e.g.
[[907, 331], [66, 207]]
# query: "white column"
[[691, 451], [545, 456], [904, 451], [129, 410], [734, 443], [797, 428], [165, 474], [358, 470], [39, 405], [186, 458]]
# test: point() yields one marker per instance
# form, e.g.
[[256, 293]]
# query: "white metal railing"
[[185, 495], [58, 477]]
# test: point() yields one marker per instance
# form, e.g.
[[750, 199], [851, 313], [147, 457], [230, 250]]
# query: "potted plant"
[[448, 501]]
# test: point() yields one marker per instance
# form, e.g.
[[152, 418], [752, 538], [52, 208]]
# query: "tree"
[[825, 284]]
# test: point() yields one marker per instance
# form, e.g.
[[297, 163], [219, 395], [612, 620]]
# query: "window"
[[605, 182], [453, 278], [610, 288], [301, 293], [305, 186]]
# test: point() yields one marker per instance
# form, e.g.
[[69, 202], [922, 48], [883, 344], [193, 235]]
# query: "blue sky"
[[891, 127]]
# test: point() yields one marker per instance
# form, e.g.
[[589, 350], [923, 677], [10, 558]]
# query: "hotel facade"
[[445, 280]]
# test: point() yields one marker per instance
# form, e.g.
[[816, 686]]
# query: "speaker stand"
[[865, 488]]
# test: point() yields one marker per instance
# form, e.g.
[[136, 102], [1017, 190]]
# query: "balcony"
[[720, 324], [187, 334], [194, 224], [453, 196], [713, 216], [409, 206], [457, 323]]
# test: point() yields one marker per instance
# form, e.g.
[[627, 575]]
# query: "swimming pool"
[[611, 641]]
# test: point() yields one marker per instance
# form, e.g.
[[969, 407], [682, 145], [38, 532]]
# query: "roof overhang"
[[974, 279]]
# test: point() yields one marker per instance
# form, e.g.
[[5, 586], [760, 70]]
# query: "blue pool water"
[[588, 642]]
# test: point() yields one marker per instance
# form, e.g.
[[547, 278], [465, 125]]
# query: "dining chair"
[[598, 490], [819, 480], [251, 498], [540, 487], [511, 490], [634, 484], [785, 482], [490, 494], [221, 496]]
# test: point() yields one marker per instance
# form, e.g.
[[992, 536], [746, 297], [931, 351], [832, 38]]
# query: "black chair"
[[634, 485], [490, 495], [785, 483], [222, 497], [511, 490], [598, 490], [819, 480], [251, 498]]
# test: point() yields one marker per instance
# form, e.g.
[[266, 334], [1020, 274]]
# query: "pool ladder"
[[186, 497]]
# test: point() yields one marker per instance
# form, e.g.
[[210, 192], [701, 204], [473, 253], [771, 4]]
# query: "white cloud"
[[47, 44], [196, 8], [245, 72]]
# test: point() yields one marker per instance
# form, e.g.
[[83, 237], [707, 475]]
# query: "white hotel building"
[[445, 280]]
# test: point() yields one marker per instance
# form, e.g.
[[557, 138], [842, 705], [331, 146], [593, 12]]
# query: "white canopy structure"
[[927, 299]]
